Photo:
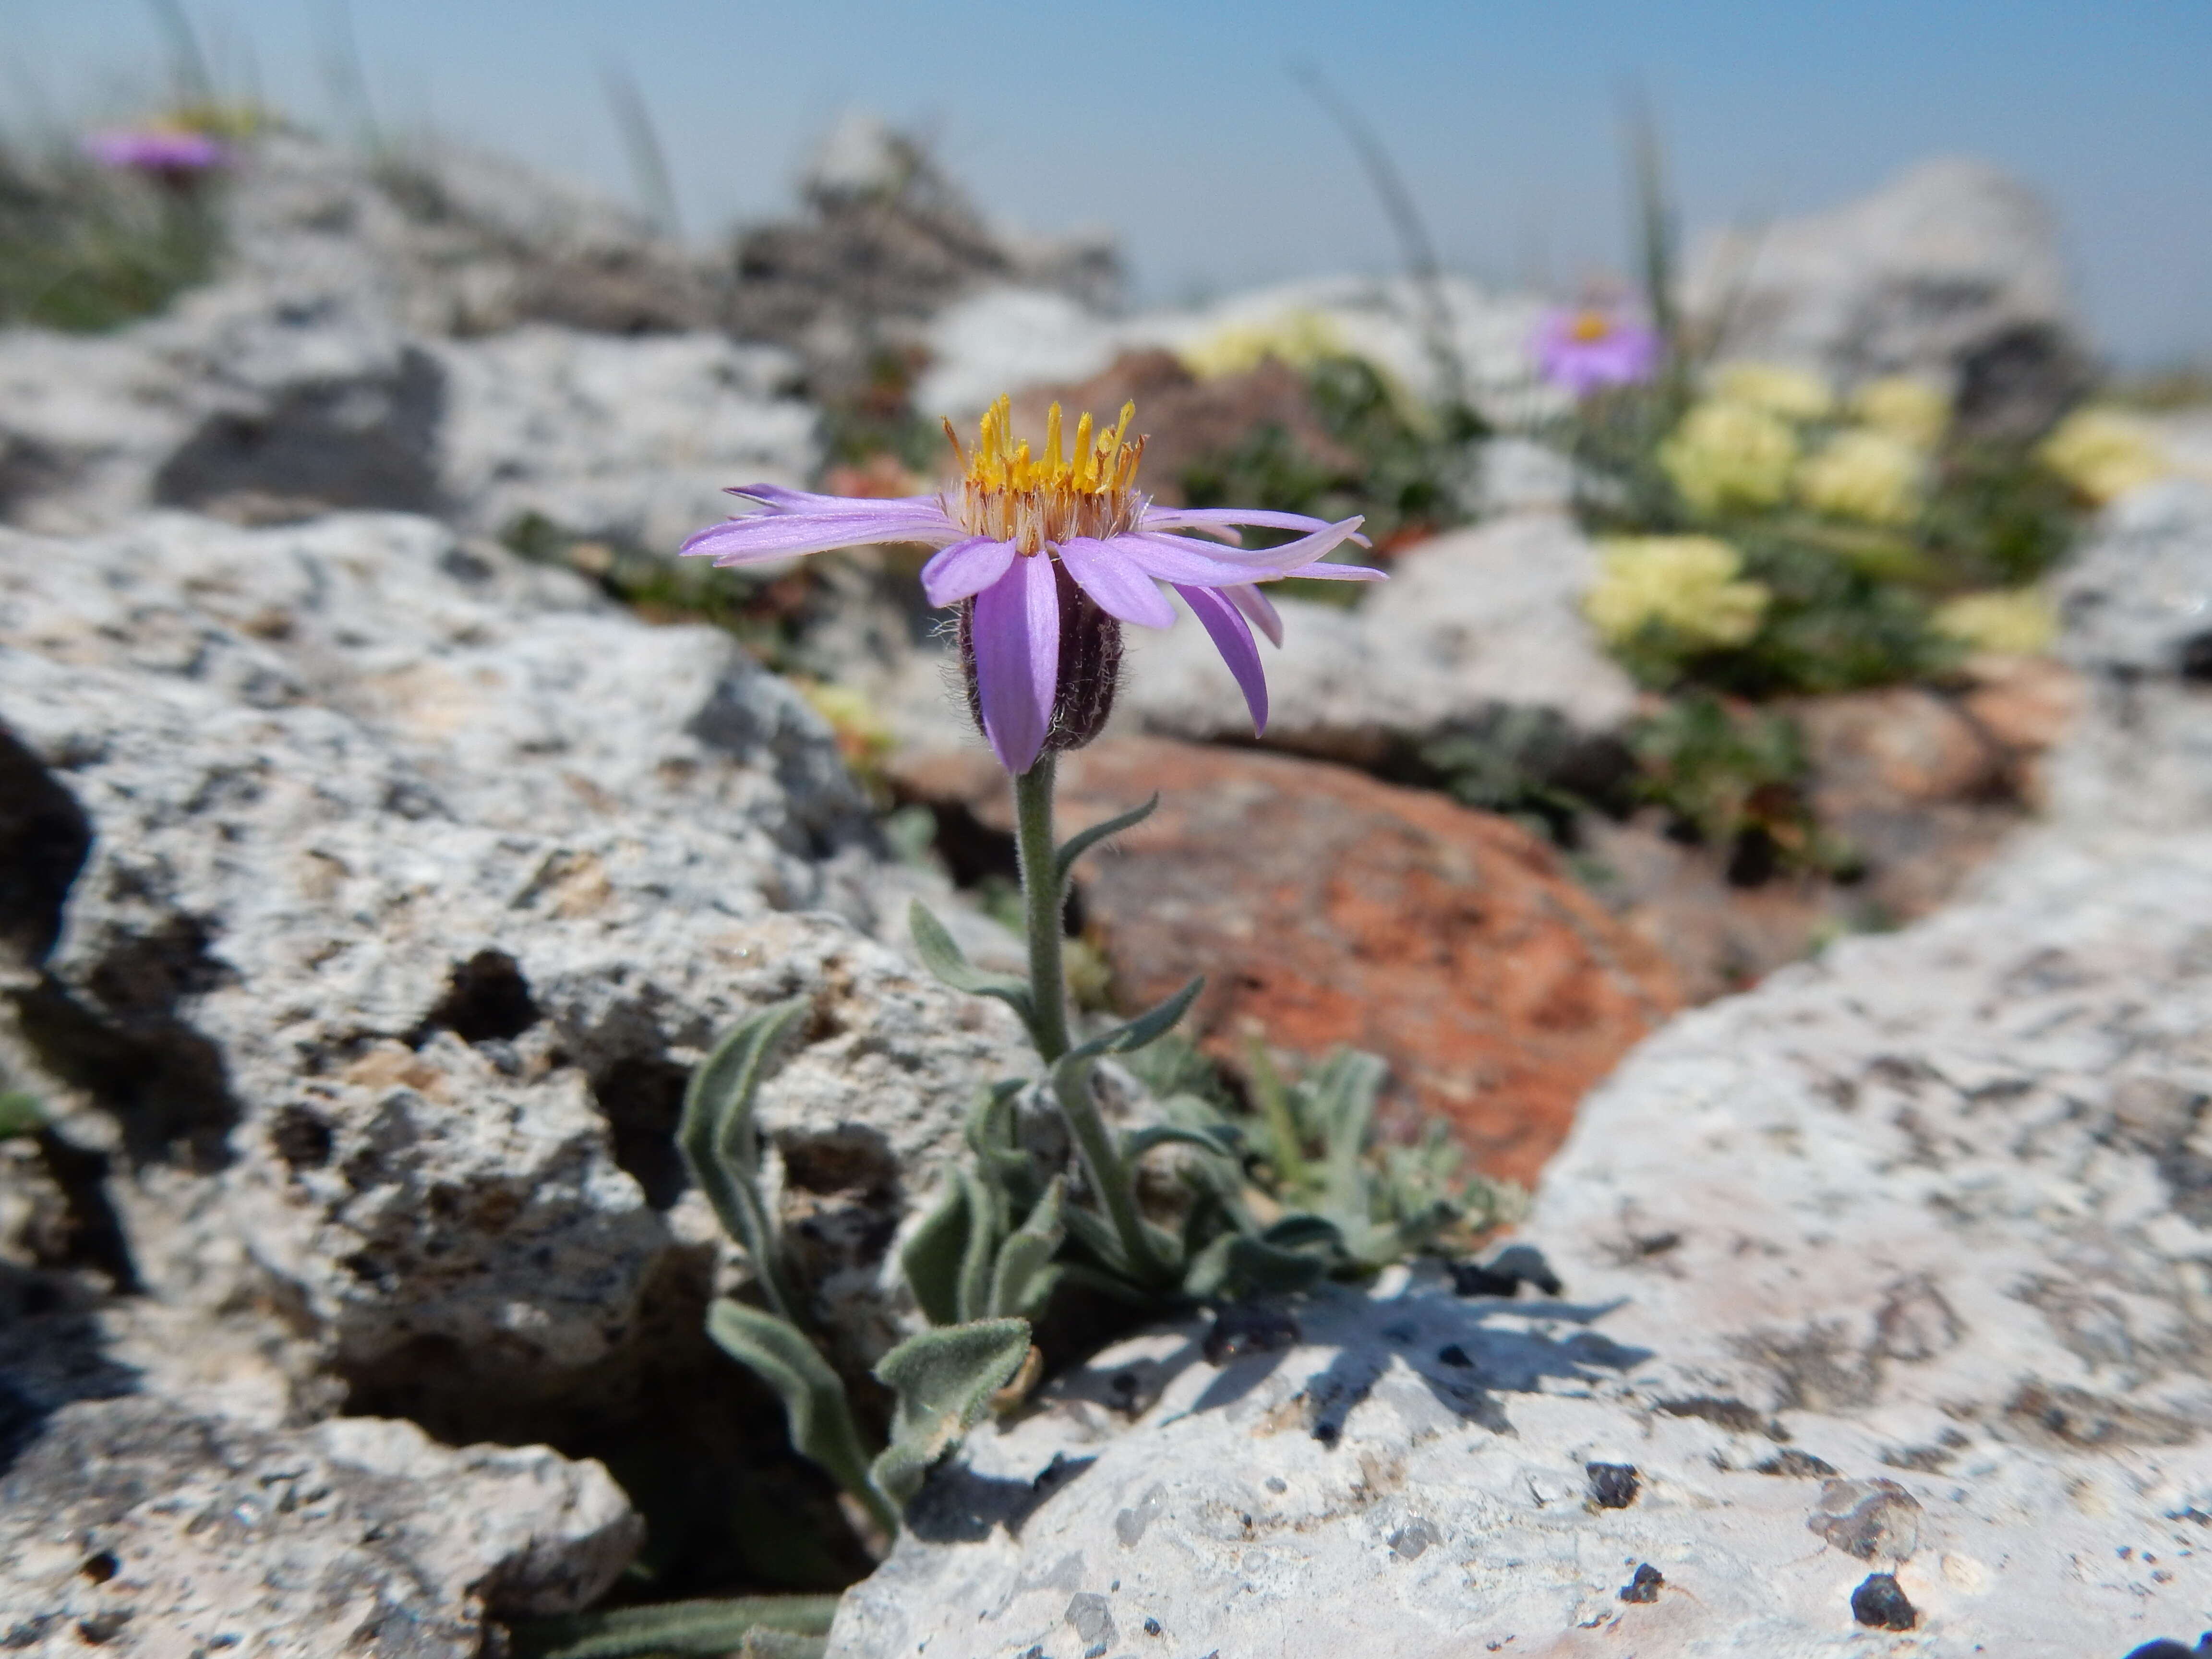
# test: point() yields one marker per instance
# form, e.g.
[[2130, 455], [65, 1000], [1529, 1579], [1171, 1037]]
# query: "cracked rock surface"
[[369, 894], [1895, 1271], [133, 1526]]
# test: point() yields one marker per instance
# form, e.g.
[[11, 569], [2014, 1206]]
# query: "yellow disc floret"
[[1012, 495]]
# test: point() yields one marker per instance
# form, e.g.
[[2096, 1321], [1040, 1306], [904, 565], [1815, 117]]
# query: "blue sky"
[[1179, 124]]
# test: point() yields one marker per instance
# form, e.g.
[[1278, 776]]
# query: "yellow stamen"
[[1589, 326], [1033, 498]]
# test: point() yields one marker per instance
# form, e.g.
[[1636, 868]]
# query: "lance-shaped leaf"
[[1095, 1237], [19, 1115], [718, 1140], [1344, 1103], [941, 954], [814, 1405], [1237, 1266], [763, 1643], [1022, 1279], [1148, 1027], [986, 1225], [999, 1156], [943, 1380], [932, 1255], [1063, 862], [1222, 1142], [682, 1627]]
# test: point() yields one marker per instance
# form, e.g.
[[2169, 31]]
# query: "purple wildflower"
[[1022, 538], [171, 153], [1585, 350]]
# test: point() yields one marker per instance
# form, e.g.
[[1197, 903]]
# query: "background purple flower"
[[1584, 349], [167, 152]]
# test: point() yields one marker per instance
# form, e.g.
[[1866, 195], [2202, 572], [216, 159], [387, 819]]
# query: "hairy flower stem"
[[1044, 897], [1043, 900]]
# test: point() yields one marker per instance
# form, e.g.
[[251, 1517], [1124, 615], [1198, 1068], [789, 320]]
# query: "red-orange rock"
[[1331, 908]]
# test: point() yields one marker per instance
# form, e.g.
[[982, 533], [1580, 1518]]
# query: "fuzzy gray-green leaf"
[[19, 1115], [814, 1396], [987, 1224], [1023, 1278], [1343, 1103], [1063, 862], [1150, 1026], [717, 1138], [943, 1381], [1137, 1143], [1235, 1266], [679, 1627], [941, 954], [932, 1255]]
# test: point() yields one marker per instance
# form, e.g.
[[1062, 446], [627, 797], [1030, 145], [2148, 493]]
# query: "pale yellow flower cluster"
[[1743, 448], [1298, 338], [1689, 584], [2014, 622], [1795, 394], [1862, 473], [2105, 453], [1729, 455], [1910, 410]]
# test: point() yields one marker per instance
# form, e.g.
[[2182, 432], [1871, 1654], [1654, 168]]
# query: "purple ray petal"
[[798, 500], [1289, 556], [1016, 628], [1258, 609], [1178, 559], [784, 535], [1116, 585], [1234, 640], [1323, 571], [1222, 517], [964, 569], [1174, 560]]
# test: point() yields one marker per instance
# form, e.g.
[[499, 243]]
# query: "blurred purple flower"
[[168, 152], [1021, 536], [1584, 349]]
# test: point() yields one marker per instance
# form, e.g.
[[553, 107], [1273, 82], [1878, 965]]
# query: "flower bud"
[[1090, 665]]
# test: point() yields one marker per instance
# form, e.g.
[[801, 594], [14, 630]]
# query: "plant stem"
[[1043, 897], [1042, 902]]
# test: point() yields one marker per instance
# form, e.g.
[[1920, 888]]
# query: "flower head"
[[1861, 473], [1299, 339], [1727, 454], [173, 155], [1687, 584], [1583, 350], [1907, 409], [2013, 622], [2105, 453], [1045, 554], [1795, 394]]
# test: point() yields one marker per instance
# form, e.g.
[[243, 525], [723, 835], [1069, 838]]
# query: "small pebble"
[[1644, 1587], [1611, 1485], [1880, 1603]]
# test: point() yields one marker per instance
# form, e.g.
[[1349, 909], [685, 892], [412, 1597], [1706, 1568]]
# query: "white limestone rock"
[[1472, 623], [132, 1526], [413, 879], [1900, 1264], [1953, 270]]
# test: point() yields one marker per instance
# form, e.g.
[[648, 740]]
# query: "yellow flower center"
[[1012, 495], [1589, 327]]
